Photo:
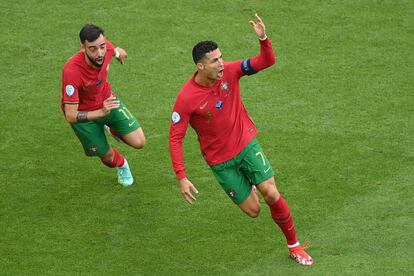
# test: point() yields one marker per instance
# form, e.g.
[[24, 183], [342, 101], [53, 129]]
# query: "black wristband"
[[82, 116]]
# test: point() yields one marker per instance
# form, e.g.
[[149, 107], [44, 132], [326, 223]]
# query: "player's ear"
[[200, 66], [82, 47]]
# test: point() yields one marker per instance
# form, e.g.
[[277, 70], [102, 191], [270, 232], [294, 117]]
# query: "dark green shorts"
[[249, 167], [92, 133]]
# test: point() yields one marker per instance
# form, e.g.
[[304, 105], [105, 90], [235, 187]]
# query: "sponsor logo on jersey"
[[70, 90], [175, 118]]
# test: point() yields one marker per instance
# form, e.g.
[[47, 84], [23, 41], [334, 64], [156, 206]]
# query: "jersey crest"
[[225, 88]]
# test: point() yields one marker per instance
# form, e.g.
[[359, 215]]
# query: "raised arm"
[[266, 57]]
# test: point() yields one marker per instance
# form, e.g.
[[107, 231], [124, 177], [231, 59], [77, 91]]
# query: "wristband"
[[82, 116], [117, 54], [263, 38]]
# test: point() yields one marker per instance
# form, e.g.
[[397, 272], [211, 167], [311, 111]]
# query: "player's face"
[[214, 65], [95, 51]]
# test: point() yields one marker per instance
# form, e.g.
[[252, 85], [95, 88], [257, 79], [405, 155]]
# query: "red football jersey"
[[84, 84], [217, 113]]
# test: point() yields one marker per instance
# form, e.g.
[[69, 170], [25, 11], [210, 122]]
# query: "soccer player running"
[[210, 102], [90, 105]]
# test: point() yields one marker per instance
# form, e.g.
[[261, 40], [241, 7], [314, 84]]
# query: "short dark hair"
[[202, 48], [90, 33]]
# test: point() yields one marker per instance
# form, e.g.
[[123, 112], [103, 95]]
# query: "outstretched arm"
[[266, 57]]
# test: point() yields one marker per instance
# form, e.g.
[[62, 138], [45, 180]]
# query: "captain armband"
[[247, 68], [82, 117]]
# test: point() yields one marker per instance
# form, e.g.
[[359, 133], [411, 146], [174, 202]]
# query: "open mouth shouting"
[[220, 73]]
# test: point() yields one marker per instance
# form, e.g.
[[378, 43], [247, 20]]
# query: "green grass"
[[335, 117]]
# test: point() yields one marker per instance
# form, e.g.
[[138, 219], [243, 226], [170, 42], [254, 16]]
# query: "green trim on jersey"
[[92, 134], [249, 167]]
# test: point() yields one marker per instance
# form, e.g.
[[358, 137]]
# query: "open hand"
[[186, 188], [258, 27], [109, 104]]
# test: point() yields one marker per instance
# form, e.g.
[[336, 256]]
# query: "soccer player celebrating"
[[210, 102], [90, 105]]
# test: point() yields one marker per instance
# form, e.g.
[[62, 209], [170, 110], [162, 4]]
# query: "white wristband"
[[117, 54], [263, 38]]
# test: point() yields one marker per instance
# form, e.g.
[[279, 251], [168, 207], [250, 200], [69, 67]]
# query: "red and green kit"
[[217, 113], [87, 86]]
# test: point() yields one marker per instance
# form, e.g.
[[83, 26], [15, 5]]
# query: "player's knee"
[[139, 143], [269, 191], [135, 139], [254, 211], [271, 197]]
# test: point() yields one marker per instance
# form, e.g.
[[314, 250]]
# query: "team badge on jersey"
[[93, 149], [225, 86], [175, 118], [70, 90], [219, 104], [232, 193]]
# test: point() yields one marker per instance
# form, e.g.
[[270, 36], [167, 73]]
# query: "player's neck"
[[202, 80]]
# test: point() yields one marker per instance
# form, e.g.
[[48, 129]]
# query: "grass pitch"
[[335, 117]]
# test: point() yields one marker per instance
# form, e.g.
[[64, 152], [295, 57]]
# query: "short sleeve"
[[70, 86]]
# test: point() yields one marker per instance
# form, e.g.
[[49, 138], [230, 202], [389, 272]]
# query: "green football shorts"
[[249, 167], [92, 133]]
